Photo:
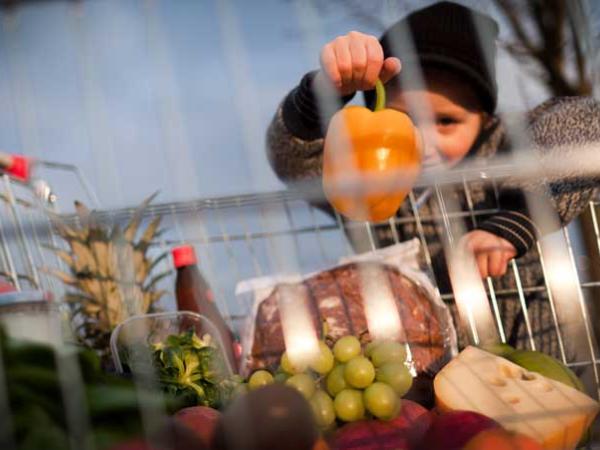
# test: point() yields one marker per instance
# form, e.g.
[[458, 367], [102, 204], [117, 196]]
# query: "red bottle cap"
[[184, 255]]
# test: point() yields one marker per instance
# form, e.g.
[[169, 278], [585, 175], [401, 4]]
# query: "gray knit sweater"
[[295, 151]]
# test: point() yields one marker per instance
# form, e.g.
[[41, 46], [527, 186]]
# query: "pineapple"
[[110, 275]]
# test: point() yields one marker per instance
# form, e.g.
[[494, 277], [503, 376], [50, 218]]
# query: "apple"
[[133, 444], [452, 430], [171, 434], [202, 420], [405, 432]]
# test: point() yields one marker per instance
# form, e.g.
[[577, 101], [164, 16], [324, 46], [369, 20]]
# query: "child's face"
[[448, 114]]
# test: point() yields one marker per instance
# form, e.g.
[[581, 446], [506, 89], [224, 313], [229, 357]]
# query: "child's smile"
[[446, 112]]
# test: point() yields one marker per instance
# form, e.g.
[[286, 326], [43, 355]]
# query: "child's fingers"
[[496, 263], [343, 59], [391, 67], [358, 55], [329, 65], [482, 264], [374, 63]]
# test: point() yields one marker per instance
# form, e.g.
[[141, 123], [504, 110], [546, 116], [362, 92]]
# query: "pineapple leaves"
[[109, 273], [152, 283], [149, 235], [134, 223], [83, 213], [157, 260], [62, 276], [63, 255]]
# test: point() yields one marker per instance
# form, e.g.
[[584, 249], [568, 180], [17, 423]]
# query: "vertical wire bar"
[[491, 290], [444, 213], [63, 306], [3, 255], [523, 303], [290, 220], [176, 222], [271, 247], [318, 234], [420, 231], [344, 236], [595, 224], [392, 222], [72, 388], [230, 254], [20, 233], [22, 92], [561, 344], [469, 291], [50, 281], [99, 133], [584, 312], [7, 437], [370, 236], [164, 248], [227, 243], [9, 259], [210, 265], [249, 241]]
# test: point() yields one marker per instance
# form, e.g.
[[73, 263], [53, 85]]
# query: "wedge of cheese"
[[548, 411]]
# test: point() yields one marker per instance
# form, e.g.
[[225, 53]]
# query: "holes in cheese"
[[510, 371], [554, 414], [513, 400], [528, 376], [498, 381]]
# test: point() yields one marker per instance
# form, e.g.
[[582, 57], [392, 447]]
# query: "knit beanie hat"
[[449, 36]]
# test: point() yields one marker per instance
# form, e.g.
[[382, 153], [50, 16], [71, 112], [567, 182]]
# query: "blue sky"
[[166, 94]]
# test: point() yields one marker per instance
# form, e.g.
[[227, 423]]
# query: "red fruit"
[[405, 432], [320, 444], [134, 444], [202, 420], [452, 430], [499, 439], [171, 435]]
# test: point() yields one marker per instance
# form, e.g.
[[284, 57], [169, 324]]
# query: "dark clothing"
[[295, 150]]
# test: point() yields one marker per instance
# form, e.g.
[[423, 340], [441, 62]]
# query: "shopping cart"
[[247, 236]]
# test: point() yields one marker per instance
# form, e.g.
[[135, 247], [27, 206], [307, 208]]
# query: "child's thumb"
[[391, 67]]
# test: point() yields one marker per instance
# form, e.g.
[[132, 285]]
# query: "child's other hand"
[[353, 62], [492, 253]]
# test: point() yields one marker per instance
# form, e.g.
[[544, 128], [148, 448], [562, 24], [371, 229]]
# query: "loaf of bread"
[[335, 296]]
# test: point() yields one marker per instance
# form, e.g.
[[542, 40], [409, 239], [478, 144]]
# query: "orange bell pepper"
[[370, 161]]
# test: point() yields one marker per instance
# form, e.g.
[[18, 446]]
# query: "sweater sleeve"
[[295, 135], [557, 128]]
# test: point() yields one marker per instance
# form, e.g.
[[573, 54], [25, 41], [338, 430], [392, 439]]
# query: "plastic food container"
[[140, 332], [31, 315]]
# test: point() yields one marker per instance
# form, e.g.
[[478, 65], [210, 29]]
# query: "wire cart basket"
[[246, 236]]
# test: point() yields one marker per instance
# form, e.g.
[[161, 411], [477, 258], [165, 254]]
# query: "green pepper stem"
[[379, 96]]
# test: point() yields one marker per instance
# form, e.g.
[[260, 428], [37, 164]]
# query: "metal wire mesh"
[[235, 238]]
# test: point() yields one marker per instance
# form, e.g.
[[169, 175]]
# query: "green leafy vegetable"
[[193, 369], [38, 410]]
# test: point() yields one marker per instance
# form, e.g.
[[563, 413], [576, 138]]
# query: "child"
[[457, 61]]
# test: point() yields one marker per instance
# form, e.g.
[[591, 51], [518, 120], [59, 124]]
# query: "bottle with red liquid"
[[194, 294]]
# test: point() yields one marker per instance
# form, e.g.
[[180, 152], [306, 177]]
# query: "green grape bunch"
[[346, 382]]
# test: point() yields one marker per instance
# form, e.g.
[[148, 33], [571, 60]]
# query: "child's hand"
[[492, 253], [354, 62]]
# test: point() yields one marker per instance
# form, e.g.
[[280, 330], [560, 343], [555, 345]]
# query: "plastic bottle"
[[193, 293]]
